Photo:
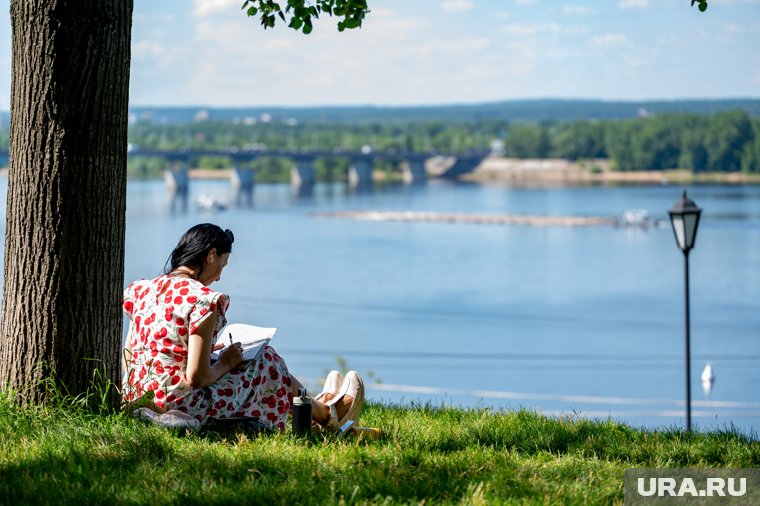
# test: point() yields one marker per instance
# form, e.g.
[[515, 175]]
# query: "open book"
[[253, 339]]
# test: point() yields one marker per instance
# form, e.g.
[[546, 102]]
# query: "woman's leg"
[[320, 412]]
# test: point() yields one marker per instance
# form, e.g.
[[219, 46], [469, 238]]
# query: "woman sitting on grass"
[[175, 322]]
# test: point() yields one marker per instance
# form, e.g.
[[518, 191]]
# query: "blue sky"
[[207, 52]]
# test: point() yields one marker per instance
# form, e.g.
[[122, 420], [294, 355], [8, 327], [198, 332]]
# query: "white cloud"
[[380, 12], [732, 28], [457, 5], [558, 53], [145, 19], [150, 52], [278, 44], [610, 40], [526, 29], [633, 4], [525, 58], [635, 61], [145, 49], [575, 29], [578, 10], [203, 8], [449, 47], [380, 63], [405, 53], [531, 29]]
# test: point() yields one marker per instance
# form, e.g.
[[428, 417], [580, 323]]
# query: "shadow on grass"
[[437, 454]]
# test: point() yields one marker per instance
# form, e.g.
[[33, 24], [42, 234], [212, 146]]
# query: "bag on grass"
[[245, 424]]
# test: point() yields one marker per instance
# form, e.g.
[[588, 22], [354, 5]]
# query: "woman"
[[175, 320]]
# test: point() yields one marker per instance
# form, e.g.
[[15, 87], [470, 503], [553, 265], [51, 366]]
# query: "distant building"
[[202, 115], [498, 148]]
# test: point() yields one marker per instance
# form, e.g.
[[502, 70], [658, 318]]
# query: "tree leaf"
[[299, 13]]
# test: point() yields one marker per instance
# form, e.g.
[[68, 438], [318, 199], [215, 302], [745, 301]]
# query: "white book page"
[[251, 337]]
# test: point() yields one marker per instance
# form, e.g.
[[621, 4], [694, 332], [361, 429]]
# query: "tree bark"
[[64, 241]]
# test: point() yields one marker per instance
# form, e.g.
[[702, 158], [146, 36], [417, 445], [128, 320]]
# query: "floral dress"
[[164, 312]]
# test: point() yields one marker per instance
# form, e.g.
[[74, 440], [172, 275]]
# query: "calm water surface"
[[565, 320]]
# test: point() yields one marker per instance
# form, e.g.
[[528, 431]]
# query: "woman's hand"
[[232, 355], [200, 371]]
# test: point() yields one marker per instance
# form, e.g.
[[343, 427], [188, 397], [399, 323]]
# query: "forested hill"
[[519, 111], [515, 111]]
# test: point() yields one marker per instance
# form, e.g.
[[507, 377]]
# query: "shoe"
[[353, 386], [333, 382]]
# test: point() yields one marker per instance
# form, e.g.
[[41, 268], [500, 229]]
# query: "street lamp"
[[685, 219]]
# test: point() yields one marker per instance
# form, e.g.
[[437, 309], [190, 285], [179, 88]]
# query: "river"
[[582, 321]]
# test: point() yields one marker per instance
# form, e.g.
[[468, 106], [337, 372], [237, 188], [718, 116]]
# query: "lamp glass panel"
[[678, 228], [690, 226]]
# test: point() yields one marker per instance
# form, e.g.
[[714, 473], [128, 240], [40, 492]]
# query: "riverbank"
[[546, 172], [566, 173], [63, 454]]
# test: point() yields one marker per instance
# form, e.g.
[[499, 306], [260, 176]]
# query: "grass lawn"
[[65, 454]]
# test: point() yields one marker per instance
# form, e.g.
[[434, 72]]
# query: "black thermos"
[[302, 413]]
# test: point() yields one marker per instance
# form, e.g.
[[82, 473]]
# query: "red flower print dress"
[[164, 312]]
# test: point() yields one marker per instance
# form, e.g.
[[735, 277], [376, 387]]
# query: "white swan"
[[708, 378]]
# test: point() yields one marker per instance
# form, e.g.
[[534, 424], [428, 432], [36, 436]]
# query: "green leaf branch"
[[702, 4], [300, 14]]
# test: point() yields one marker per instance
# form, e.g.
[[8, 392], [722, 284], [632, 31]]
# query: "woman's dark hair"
[[195, 244]]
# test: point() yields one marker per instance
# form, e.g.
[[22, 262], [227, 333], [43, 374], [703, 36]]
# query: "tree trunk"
[[64, 240]]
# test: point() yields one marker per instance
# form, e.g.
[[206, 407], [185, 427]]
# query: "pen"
[[230, 338]]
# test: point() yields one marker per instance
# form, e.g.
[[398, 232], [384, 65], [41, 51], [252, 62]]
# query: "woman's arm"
[[200, 372], [126, 356]]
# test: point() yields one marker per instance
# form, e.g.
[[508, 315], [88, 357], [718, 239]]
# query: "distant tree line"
[[724, 142], [513, 111]]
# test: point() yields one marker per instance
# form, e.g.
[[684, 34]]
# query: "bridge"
[[415, 167]]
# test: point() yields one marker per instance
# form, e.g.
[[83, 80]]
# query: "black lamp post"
[[685, 219]]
